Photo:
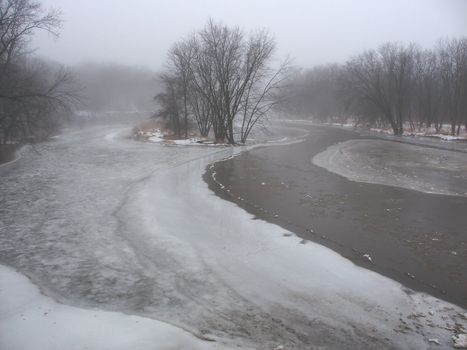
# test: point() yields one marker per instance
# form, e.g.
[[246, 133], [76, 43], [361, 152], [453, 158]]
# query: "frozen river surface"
[[398, 164], [114, 233]]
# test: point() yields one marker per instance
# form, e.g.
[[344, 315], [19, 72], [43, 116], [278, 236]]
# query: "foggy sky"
[[139, 32]]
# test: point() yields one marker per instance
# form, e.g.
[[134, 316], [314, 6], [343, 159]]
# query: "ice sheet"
[[424, 169], [242, 267], [31, 321], [117, 225]]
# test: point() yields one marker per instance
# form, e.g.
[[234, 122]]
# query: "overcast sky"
[[139, 32]]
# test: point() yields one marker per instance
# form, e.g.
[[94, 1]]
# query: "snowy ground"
[[397, 164], [30, 320], [443, 134], [99, 222]]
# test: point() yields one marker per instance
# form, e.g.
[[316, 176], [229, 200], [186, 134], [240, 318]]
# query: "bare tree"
[[19, 19], [169, 102], [393, 86], [225, 76], [201, 111], [453, 66], [32, 94], [385, 79], [180, 59], [427, 90], [216, 74], [262, 82]]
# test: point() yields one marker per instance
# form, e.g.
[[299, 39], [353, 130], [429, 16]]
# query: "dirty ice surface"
[[424, 169], [98, 221], [30, 320]]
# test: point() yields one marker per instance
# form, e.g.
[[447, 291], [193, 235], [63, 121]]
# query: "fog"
[[242, 174], [311, 32]]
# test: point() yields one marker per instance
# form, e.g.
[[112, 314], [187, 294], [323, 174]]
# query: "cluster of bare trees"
[[33, 94], [396, 85], [221, 81]]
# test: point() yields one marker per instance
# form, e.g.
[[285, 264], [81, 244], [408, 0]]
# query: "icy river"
[[109, 243]]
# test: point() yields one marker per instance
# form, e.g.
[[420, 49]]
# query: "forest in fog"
[[395, 85], [223, 81]]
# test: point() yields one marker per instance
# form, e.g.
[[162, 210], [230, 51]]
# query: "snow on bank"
[[153, 135], [257, 137], [446, 137], [194, 141], [443, 134], [413, 167], [157, 136], [30, 320], [426, 133]]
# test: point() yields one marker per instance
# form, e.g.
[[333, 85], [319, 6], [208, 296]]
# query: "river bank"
[[117, 231], [416, 238]]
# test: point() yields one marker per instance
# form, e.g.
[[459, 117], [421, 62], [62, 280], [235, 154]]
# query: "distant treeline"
[[395, 85], [116, 87], [37, 97]]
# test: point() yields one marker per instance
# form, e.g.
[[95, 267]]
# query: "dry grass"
[[160, 125]]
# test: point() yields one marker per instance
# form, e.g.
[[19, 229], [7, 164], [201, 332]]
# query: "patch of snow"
[[155, 136], [382, 131], [344, 125], [30, 320], [185, 142], [397, 164], [447, 137], [442, 134], [195, 142], [460, 341]]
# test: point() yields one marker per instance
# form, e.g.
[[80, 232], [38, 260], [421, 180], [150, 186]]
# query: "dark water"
[[415, 238]]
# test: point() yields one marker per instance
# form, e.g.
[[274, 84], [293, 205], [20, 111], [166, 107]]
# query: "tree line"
[[396, 85], [220, 80], [34, 95], [115, 87]]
